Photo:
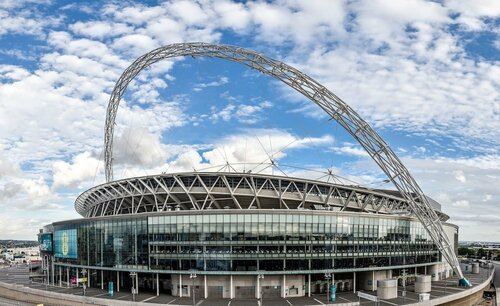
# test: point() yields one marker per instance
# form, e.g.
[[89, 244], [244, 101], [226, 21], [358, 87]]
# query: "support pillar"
[[102, 279], [373, 281], [283, 287], [60, 276], [231, 289], [257, 289], [88, 278], [180, 285], [48, 271], [67, 276], [137, 283], [206, 287], [157, 284], [354, 283], [425, 270], [309, 285], [117, 281], [53, 271]]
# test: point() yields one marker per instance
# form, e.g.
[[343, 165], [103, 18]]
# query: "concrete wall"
[[295, 285], [189, 282], [438, 269], [463, 298], [30, 295], [221, 280], [368, 280]]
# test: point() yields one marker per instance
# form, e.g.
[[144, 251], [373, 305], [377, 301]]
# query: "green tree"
[[464, 251], [481, 253]]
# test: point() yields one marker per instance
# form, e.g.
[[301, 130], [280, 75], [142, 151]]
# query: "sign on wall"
[[45, 242], [66, 244]]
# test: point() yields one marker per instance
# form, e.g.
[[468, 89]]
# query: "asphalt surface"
[[20, 276]]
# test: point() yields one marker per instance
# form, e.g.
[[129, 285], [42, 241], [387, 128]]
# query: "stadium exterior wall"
[[235, 253]]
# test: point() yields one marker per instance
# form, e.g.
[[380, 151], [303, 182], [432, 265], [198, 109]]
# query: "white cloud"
[[221, 81], [137, 146], [460, 176], [399, 65], [350, 150], [135, 44], [19, 18], [257, 146], [463, 186], [244, 113], [83, 167], [100, 29]]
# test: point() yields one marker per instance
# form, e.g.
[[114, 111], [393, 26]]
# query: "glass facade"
[[251, 241]]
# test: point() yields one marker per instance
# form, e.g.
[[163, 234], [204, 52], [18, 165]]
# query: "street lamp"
[[261, 295], [133, 276], [328, 276], [84, 273], [192, 276]]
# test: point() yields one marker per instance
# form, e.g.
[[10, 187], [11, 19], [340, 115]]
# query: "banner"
[[66, 244], [45, 242]]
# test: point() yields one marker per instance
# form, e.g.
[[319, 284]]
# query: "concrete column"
[[309, 285], [157, 284], [425, 270], [60, 276], [102, 279], [67, 278], [88, 277], [206, 286], [48, 270], [283, 287], [231, 289], [373, 281], [117, 281], [180, 285], [137, 283], [53, 270], [257, 289], [354, 283]]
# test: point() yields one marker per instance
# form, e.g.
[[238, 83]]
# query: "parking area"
[[20, 275]]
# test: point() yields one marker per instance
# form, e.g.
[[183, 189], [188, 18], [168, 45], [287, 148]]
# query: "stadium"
[[246, 234]]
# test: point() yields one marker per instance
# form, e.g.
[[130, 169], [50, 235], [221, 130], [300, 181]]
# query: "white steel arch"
[[374, 145]]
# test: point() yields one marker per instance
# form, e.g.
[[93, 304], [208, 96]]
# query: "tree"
[[481, 253], [464, 251]]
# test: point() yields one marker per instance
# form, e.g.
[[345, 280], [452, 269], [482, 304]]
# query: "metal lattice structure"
[[209, 190], [366, 136]]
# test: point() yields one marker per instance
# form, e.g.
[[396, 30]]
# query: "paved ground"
[[20, 275]]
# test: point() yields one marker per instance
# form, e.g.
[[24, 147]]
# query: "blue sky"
[[424, 74]]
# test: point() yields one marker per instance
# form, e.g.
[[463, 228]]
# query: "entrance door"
[[215, 291], [244, 292], [271, 291]]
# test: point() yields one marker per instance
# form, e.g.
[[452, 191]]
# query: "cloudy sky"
[[424, 74]]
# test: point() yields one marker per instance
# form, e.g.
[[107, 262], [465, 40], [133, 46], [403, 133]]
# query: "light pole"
[[328, 276], [261, 295], [192, 276], [84, 273], [133, 275]]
